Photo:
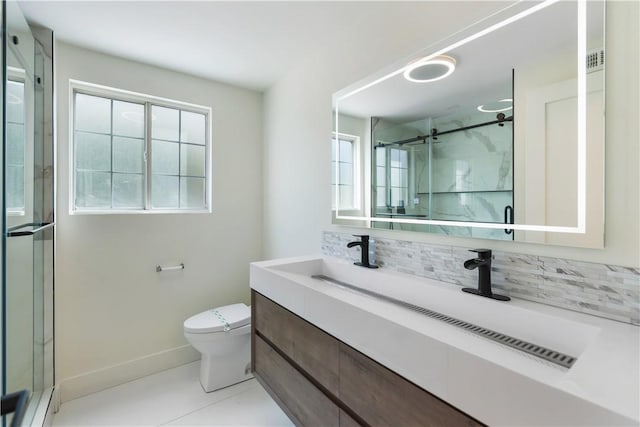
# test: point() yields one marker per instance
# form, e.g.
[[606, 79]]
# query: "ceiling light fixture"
[[430, 70], [495, 107]]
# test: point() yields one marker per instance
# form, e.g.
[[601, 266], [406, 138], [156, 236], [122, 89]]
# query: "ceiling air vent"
[[595, 60]]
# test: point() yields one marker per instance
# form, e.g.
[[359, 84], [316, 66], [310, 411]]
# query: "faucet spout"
[[364, 250], [474, 263], [483, 264]]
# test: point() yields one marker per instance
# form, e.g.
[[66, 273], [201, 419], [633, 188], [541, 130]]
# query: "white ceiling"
[[249, 44]]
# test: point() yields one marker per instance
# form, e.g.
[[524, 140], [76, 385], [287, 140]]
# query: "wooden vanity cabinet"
[[313, 350], [383, 398], [320, 381], [303, 403]]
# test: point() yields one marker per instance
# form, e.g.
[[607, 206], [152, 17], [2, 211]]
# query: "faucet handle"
[[482, 253], [364, 237]]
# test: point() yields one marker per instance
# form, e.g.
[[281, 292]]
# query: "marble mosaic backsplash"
[[602, 290]]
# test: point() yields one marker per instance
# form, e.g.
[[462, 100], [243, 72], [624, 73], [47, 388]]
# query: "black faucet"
[[364, 250], [483, 264]]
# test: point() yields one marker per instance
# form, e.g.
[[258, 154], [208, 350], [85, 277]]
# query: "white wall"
[[298, 122], [116, 318]]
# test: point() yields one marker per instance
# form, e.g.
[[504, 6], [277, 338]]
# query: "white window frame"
[[76, 86], [387, 184], [355, 146]]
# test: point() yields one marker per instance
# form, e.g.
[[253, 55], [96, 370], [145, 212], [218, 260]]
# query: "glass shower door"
[[28, 215]]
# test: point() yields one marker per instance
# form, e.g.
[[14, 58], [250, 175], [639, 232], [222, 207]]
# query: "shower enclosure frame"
[[40, 227]]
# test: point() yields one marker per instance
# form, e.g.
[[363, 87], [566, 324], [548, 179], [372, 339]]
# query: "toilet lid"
[[219, 319]]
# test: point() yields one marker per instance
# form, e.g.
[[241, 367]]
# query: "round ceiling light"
[[497, 106], [430, 70]]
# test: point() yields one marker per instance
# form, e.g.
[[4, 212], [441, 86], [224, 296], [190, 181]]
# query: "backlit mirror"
[[496, 132]]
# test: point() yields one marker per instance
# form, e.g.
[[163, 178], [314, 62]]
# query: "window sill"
[[140, 212]]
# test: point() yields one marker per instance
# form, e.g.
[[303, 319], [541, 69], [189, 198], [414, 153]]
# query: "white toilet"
[[223, 337]]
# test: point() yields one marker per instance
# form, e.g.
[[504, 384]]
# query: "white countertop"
[[494, 383]]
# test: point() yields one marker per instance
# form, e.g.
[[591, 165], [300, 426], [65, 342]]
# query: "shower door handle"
[[40, 226], [508, 218], [16, 404]]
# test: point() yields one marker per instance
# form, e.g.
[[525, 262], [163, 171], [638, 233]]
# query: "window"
[[15, 148], [138, 153], [344, 168], [392, 173]]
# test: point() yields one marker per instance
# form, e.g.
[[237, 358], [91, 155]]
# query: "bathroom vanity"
[[319, 380], [333, 355]]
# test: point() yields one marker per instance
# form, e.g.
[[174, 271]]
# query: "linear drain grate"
[[549, 355]]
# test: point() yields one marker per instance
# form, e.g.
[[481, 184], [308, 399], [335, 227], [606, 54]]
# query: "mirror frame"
[[397, 69]]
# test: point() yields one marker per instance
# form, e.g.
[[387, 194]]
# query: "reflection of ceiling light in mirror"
[[430, 70], [497, 106]]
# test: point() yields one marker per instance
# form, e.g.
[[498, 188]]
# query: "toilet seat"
[[221, 319]]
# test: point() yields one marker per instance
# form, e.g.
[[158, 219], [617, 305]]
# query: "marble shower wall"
[[472, 170], [602, 290], [462, 176]]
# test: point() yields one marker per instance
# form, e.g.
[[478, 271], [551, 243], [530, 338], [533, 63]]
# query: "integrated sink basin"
[[554, 339], [451, 343]]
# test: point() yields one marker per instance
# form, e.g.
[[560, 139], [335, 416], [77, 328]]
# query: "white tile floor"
[[173, 397]]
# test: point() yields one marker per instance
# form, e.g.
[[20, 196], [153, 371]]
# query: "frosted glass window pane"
[[395, 158], [128, 119], [165, 123], [93, 151], [396, 195], [15, 144], [164, 191], [192, 193], [381, 176], [381, 157], [128, 155], [404, 178], [192, 127], [333, 196], [346, 151], [15, 102], [395, 177], [128, 190], [93, 114], [164, 158], [381, 196], [346, 196], [14, 187], [346, 174], [192, 160], [334, 156], [404, 159], [333, 173], [93, 189]]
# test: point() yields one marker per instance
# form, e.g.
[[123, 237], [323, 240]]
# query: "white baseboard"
[[100, 379]]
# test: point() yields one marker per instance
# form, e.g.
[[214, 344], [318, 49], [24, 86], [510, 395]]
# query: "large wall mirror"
[[496, 132]]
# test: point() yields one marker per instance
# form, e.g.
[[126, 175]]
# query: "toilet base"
[[220, 372]]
